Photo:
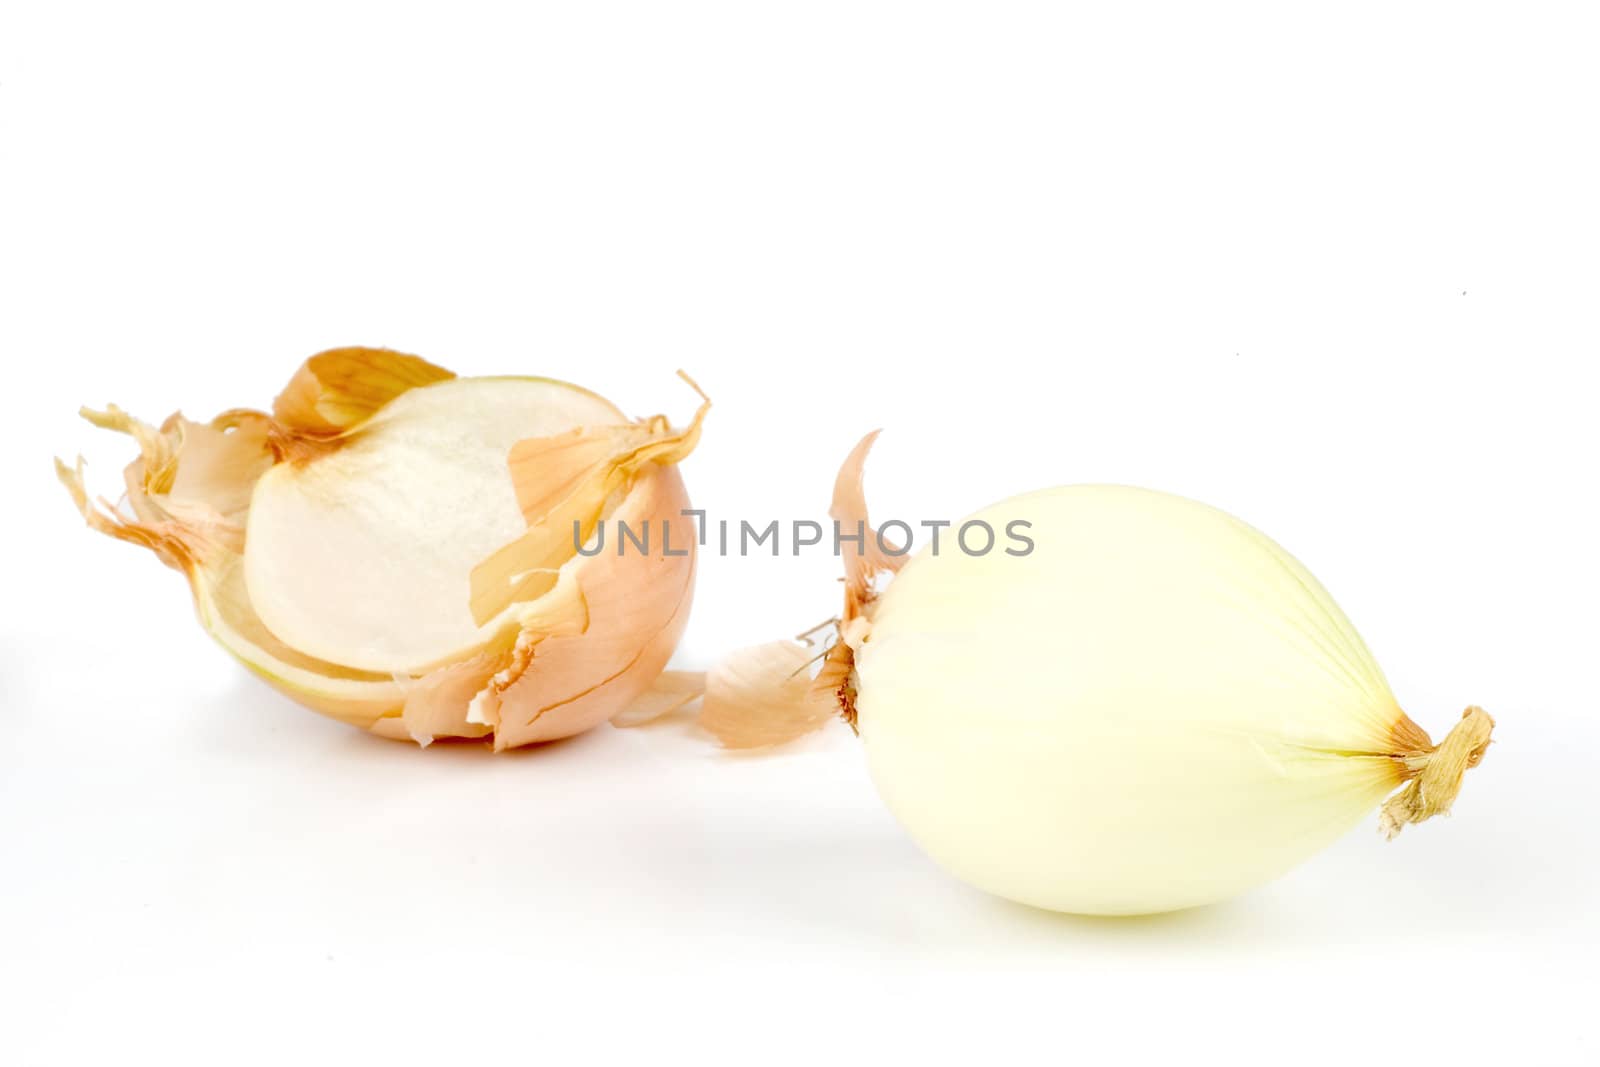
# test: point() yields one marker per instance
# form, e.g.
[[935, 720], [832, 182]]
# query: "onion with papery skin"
[[1157, 707], [398, 548]]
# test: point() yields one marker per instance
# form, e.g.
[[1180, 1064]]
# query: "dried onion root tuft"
[[397, 547], [1155, 708]]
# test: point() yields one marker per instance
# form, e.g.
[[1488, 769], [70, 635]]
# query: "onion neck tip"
[[1435, 775]]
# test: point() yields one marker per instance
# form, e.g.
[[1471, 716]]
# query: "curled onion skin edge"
[[578, 681], [756, 699], [189, 493]]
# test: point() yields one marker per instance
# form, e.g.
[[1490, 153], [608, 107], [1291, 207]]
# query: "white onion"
[[1157, 707]]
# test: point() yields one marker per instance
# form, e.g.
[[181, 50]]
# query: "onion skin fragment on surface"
[[574, 640], [764, 695], [1155, 708]]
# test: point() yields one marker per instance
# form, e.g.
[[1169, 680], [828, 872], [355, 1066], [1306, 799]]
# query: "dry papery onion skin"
[[396, 547], [1155, 709]]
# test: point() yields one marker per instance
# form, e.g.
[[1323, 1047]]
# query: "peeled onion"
[[398, 548], [1157, 707]]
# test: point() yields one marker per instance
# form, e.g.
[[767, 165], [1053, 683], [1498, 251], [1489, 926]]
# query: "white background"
[[1334, 270]]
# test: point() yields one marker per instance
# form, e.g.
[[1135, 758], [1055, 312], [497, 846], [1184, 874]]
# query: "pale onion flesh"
[[1157, 708], [398, 548]]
